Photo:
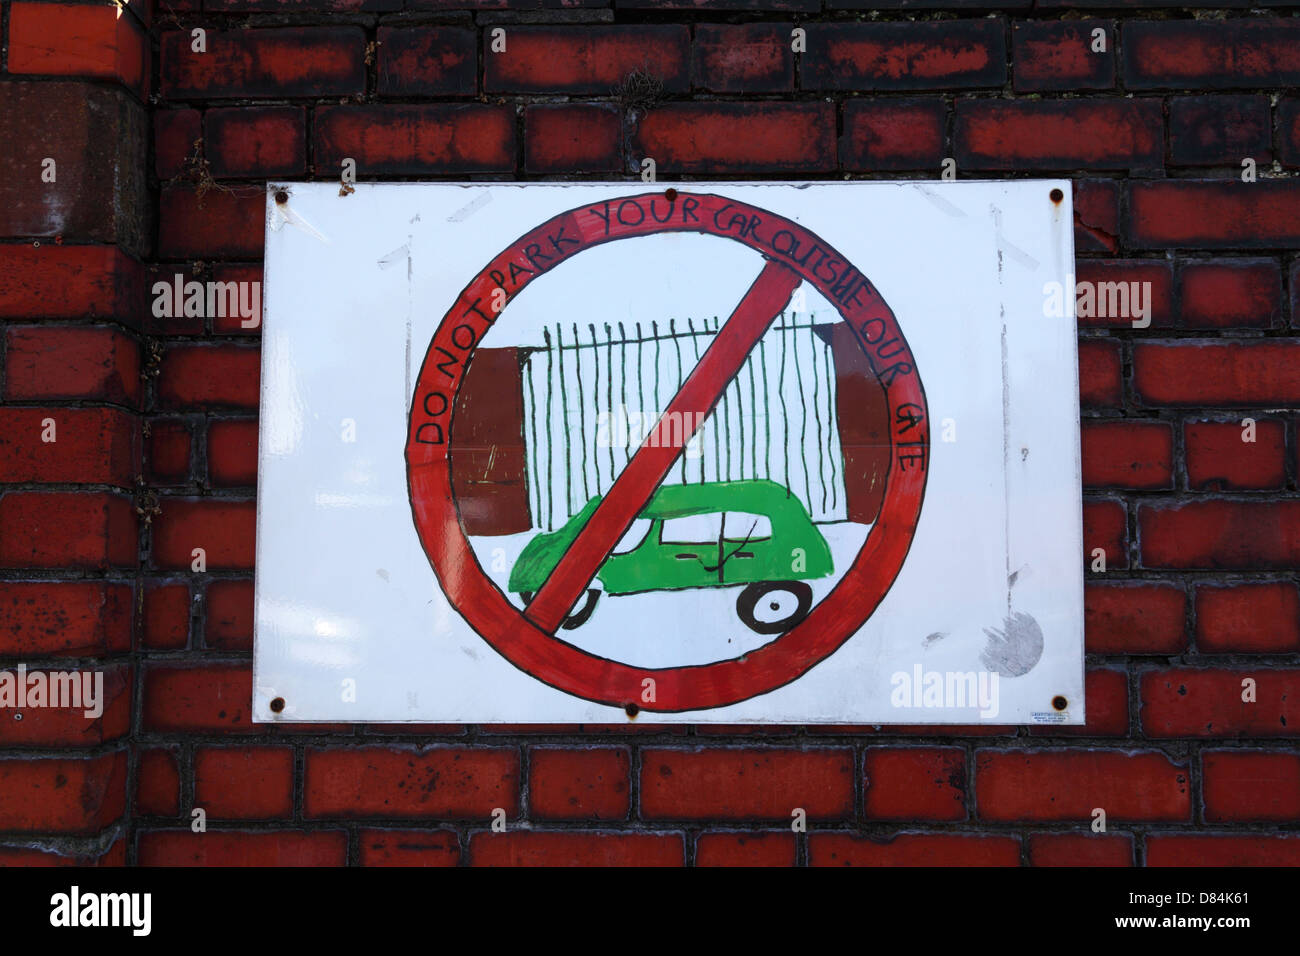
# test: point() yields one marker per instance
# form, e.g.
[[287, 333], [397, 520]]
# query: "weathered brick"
[[1067, 784], [414, 139], [950, 54], [736, 137], [441, 782]]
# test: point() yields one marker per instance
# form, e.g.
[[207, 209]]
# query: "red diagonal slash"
[[652, 461]]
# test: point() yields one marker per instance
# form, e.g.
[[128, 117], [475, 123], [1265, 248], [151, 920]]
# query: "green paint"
[[735, 557]]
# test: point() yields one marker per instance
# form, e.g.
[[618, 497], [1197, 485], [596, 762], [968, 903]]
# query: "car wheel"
[[578, 617], [773, 607]]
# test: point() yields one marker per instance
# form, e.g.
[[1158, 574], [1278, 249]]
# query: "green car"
[[719, 534]]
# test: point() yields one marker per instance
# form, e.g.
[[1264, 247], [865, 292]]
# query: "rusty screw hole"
[[282, 197], [277, 705], [1060, 703], [632, 710], [1056, 195], [670, 195]]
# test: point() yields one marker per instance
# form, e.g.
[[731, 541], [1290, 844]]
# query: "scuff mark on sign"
[[464, 212], [1016, 649]]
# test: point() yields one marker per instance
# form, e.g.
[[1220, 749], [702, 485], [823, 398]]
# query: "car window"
[[633, 536], [692, 529], [743, 526]]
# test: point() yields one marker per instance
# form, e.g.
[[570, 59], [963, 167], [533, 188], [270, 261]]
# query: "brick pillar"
[[74, 226]]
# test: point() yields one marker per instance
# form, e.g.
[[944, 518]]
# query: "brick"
[[952, 54], [1127, 454], [232, 452], [572, 138], [913, 849], [1241, 535], [168, 452], [443, 782], [889, 134], [1059, 134], [585, 59], [198, 699], [229, 615], [245, 783], [98, 137], [1219, 214], [1262, 618], [210, 376], [914, 783], [223, 528], [1129, 618], [290, 61], [158, 781], [64, 618], [1220, 130], [1218, 459], [591, 784], [90, 445], [745, 849], [1058, 56], [311, 6], [746, 784], [166, 617], [60, 529], [73, 39], [49, 726], [1188, 702], [1288, 130], [409, 848], [175, 133], [428, 61], [735, 137], [1111, 300], [800, 6], [52, 853], [1078, 849], [1212, 54], [222, 848], [220, 224], [1230, 293], [1068, 784], [70, 282], [1100, 381], [255, 141], [745, 58], [51, 362], [1205, 849], [1096, 215], [1105, 526], [576, 848], [416, 139], [62, 794], [1106, 692], [1218, 373], [1251, 786]]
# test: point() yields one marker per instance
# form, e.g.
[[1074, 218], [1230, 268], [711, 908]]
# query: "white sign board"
[[706, 453]]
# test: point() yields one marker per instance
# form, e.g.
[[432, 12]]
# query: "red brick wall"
[[161, 159]]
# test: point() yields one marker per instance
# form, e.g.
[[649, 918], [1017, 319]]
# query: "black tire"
[[749, 598], [580, 616]]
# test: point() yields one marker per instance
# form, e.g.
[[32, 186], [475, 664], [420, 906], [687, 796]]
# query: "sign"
[[725, 452]]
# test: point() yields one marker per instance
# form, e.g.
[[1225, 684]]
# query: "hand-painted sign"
[[670, 453]]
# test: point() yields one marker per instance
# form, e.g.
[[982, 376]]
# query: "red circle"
[[429, 454]]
